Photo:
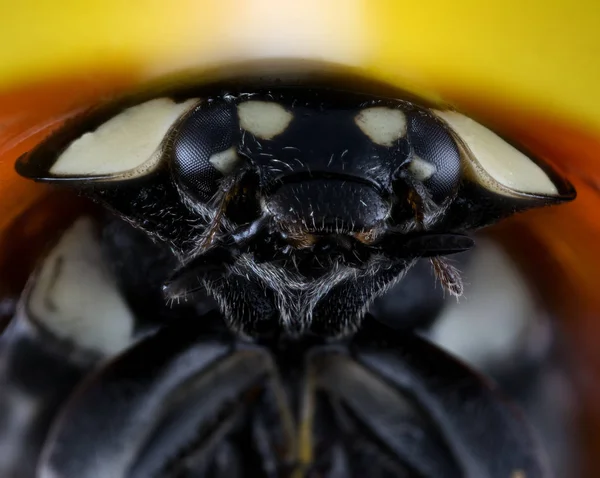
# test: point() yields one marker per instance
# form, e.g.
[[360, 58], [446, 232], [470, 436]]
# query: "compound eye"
[[436, 159], [205, 148], [496, 165]]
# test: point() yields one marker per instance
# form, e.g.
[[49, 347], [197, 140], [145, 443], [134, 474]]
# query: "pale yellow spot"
[[225, 161], [421, 169], [75, 297], [499, 160], [263, 119], [383, 125], [124, 143]]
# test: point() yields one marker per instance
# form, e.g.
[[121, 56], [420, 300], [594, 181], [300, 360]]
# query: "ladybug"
[[230, 306]]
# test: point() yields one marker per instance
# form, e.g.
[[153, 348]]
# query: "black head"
[[295, 208], [322, 162]]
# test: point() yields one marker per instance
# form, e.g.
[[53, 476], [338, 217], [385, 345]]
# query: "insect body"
[[293, 209], [296, 208]]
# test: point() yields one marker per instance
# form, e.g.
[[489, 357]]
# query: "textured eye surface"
[[204, 148], [496, 163], [436, 159]]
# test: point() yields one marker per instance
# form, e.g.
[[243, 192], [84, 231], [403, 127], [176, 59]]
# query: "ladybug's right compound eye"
[[204, 148]]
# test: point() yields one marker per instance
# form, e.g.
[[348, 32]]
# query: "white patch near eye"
[[75, 297], [504, 163], [383, 125], [421, 169], [263, 119], [124, 143], [225, 161]]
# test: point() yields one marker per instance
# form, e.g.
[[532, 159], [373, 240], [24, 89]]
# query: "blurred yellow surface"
[[544, 52]]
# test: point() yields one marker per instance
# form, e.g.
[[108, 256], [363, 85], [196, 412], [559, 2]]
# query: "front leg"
[[165, 407], [383, 404]]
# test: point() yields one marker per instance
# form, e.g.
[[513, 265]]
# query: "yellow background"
[[545, 52]]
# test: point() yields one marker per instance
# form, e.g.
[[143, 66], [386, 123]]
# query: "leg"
[[165, 405], [382, 404], [486, 436]]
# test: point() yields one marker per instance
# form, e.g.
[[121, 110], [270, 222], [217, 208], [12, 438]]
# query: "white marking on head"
[[383, 125], [125, 143], [75, 297], [263, 119], [498, 159], [225, 161], [421, 169]]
